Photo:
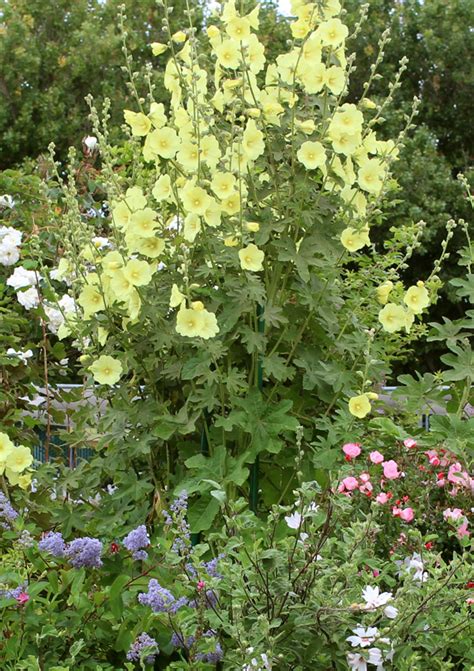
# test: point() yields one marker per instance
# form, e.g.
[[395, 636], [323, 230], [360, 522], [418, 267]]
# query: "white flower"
[[10, 235], [6, 201], [23, 356], [91, 143], [373, 598], [363, 637], [414, 566], [376, 658], [56, 316], [391, 612], [9, 254], [356, 661], [100, 242], [29, 298], [293, 520], [21, 277]]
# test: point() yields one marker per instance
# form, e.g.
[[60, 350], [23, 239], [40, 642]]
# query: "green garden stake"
[[254, 469]]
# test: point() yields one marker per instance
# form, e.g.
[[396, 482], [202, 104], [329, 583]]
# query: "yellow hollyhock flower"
[[162, 189], [252, 226], [252, 141], [6, 446], [157, 48], [222, 184], [255, 57], [134, 305], [188, 156], [143, 223], [353, 240], [342, 142], [179, 37], [251, 258], [19, 459], [335, 79], [359, 406], [383, 292], [195, 200], [313, 77], [392, 317], [209, 327], [212, 216], [22, 480], [371, 176], [189, 322], [231, 204], [106, 370], [150, 247], [349, 118], [121, 215], [157, 115], [138, 122], [139, 273], [300, 28], [210, 151], [332, 33], [91, 300], [192, 226], [163, 142], [311, 155], [307, 126], [238, 28], [176, 297], [417, 298], [135, 199], [228, 54], [213, 32], [111, 262]]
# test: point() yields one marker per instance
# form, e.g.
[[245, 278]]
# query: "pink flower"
[[351, 450], [382, 498], [409, 443], [433, 457], [390, 470], [365, 477], [201, 585], [396, 511], [462, 530], [376, 457], [375, 572], [350, 483], [454, 514], [453, 476], [22, 598], [407, 515]]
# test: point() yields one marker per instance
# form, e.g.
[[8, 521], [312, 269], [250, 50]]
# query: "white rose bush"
[[255, 499]]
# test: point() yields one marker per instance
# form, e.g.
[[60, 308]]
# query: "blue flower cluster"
[[143, 642], [136, 540], [176, 519], [7, 513], [80, 552], [160, 599], [211, 657]]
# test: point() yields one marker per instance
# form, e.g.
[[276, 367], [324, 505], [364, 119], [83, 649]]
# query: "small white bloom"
[[21, 277], [9, 235], [356, 661], [91, 143], [363, 637], [293, 520], [373, 598], [100, 242], [23, 356], [413, 566], [28, 299], [391, 612]]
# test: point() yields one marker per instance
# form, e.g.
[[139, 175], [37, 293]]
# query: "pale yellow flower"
[[121, 215], [192, 226], [228, 54], [212, 216], [359, 406], [223, 184], [238, 28], [150, 247], [19, 459], [353, 239], [392, 317], [417, 298], [252, 141], [179, 37], [251, 258], [195, 200], [157, 115], [162, 189], [252, 226], [138, 122], [231, 204], [188, 156], [163, 142], [139, 273], [371, 176], [313, 77], [332, 33], [335, 79], [121, 287], [176, 297], [157, 48], [210, 151], [311, 155], [189, 322], [255, 57], [91, 300], [6, 446], [143, 223], [135, 198], [383, 292], [112, 262], [106, 370]]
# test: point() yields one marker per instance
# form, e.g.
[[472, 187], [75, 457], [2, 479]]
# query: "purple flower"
[[53, 543], [137, 540], [20, 593], [84, 552], [7, 512], [211, 567], [178, 641], [142, 643], [140, 555], [212, 656], [180, 504], [160, 599]]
